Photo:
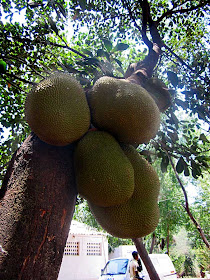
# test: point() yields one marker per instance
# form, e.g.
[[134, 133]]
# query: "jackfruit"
[[104, 175], [124, 109], [139, 215], [147, 183], [57, 110]]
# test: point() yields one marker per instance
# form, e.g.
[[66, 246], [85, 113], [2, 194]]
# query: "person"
[[135, 266]]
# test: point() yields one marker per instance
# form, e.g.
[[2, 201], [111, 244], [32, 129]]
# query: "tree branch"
[[187, 204], [141, 30], [13, 84], [143, 69], [45, 43], [146, 18], [22, 61], [139, 72], [20, 79], [145, 258], [179, 58], [180, 11]]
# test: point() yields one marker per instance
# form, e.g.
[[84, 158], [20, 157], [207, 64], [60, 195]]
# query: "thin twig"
[[141, 30], [25, 62], [187, 204], [180, 11], [20, 79], [46, 43], [179, 58], [13, 84]]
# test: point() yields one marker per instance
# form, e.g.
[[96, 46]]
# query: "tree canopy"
[[116, 34]]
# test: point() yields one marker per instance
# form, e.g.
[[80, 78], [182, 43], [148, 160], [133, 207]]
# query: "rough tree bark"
[[152, 243], [37, 202]]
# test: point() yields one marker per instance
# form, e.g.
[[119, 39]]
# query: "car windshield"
[[115, 267]]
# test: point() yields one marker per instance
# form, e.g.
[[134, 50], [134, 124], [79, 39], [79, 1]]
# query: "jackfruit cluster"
[[120, 186], [139, 215]]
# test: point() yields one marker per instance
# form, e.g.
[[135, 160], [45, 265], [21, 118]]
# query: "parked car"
[[118, 268]]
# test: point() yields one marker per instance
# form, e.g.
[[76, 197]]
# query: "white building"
[[85, 254], [123, 251]]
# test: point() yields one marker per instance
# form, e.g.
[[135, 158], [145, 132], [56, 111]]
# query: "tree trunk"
[[37, 202], [168, 239], [152, 243], [146, 259]]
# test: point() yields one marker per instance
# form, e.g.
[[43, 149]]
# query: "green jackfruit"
[[104, 175], [147, 185], [139, 215], [124, 109], [57, 110]]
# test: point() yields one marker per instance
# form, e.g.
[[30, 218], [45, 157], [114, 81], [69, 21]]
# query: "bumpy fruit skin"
[[104, 175], [57, 110], [147, 184], [124, 109], [138, 216]]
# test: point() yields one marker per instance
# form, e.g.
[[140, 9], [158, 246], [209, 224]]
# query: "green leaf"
[[186, 170], [164, 164], [34, 4], [107, 44], [120, 47], [82, 4], [100, 52], [62, 10], [203, 138], [118, 62], [173, 78], [85, 51], [204, 160], [107, 56], [3, 66], [53, 25], [180, 165], [92, 61], [181, 103], [196, 171], [174, 136], [174, 120]]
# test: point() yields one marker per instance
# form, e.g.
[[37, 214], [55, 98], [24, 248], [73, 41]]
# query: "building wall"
[[84, 257], [124, 251]]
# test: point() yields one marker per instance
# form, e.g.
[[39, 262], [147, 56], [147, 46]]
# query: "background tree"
[[169, 40]]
